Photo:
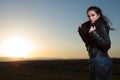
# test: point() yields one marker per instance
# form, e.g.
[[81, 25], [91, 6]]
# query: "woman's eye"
[[93, 15]]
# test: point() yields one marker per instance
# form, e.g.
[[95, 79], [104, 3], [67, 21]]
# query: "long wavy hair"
[[102, 17]]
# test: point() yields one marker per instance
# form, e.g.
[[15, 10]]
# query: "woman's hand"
[[92, 28], [80, 26]]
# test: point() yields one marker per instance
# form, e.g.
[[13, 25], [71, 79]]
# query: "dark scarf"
[[98, 23], [86, 25]]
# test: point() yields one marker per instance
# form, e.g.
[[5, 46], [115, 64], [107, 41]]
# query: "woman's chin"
[[92, 21]]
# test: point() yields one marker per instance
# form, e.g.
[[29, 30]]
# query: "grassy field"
[[50, 70]]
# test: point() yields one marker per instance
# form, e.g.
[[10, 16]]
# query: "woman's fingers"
[[92, 28]]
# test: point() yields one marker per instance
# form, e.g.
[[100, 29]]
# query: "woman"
[[95, 34]]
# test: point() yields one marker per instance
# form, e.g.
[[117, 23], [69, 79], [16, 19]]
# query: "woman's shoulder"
[[87, 23], [104, 27], [101, 24]]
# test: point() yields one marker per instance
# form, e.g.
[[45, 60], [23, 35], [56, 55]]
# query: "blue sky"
[[52, 25]]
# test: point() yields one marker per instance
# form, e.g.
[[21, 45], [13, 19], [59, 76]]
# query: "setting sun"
[[16, 47]]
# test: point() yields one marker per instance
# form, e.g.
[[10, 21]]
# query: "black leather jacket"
[[97, 42]]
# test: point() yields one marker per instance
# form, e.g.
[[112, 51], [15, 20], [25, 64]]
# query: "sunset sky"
[[50, 27]]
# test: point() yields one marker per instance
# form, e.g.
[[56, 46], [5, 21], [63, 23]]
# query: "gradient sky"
[[52, 25]]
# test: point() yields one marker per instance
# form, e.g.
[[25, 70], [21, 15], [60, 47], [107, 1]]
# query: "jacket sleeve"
[[102, 38], [83, 35]]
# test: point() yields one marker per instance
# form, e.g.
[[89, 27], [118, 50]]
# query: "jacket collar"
[[98, 22]]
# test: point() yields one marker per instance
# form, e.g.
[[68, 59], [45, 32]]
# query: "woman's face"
[[92, 15]]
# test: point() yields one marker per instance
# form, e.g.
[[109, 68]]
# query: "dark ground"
[[50, 70]]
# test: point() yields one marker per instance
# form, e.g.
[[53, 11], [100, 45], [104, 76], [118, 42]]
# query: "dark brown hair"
[[102, 17]]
